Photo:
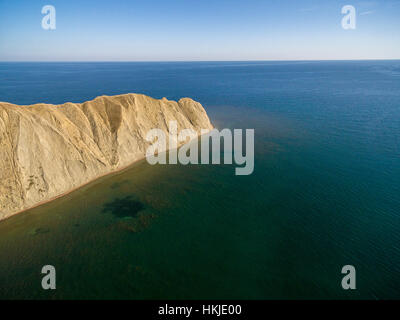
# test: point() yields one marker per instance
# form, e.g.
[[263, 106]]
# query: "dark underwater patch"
[[39, 231], [117, 185], [123, 207]]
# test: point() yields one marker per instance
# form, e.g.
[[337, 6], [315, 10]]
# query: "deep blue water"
[[325, 191]]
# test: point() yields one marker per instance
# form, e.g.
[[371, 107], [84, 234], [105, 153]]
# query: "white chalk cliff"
[[47, 150]]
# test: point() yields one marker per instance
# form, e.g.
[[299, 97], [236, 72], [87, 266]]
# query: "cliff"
[[47, 150]]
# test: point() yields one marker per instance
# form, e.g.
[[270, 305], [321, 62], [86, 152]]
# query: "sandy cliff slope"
[[47, 150]]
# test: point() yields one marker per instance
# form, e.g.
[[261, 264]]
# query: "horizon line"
[[161, 61]]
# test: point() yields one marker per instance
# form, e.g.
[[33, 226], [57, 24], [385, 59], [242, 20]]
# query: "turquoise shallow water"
[[324, 193]]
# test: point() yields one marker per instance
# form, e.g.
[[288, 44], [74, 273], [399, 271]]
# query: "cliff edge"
[[47, 150]]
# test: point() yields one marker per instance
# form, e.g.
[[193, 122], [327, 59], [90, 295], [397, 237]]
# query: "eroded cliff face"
[[47, 150]]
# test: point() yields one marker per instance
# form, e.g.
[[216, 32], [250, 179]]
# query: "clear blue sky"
[[129, 30]]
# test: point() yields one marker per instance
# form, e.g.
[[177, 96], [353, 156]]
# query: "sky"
[[198, 30]]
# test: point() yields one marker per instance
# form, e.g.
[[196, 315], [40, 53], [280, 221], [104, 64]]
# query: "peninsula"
[[48, 150]]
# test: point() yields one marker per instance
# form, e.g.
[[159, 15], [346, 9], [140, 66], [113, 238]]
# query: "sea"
[[324, 194]]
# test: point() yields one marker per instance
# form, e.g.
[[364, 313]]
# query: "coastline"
[[72, 190]]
